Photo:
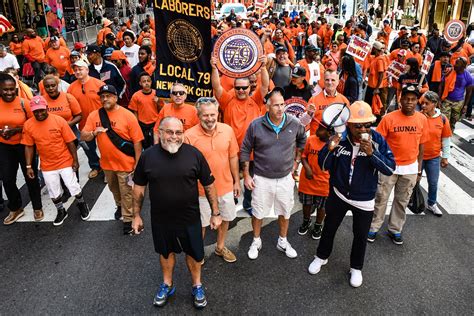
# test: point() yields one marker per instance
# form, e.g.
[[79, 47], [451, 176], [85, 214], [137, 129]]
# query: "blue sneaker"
[[396, 238], [371, 236], [164, 292], [199, 297]]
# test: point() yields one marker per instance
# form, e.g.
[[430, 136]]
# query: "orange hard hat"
[[361, 112]]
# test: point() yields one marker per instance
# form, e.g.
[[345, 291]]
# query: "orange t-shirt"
[[217, 149], [125, 124], [187, 114], [59, 59], [468, 49], [456, 55], [65, 105], [145, 107], [377, 65], [13, 116], [419, 40], [322, 101], [50, 137], [62, 43], [24, 91], [34, 48], [86, 95], [319, 185], [16, 48], [437, 130], [418, 57], [404, 134], [240, 113]]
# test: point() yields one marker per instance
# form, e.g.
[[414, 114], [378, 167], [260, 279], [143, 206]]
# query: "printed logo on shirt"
[[55, 109], [112, 123], [54, 131], [105, 76], [405, 129], [129, 54]]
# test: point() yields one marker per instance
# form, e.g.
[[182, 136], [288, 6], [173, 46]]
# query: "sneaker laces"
[[164, 288], [198, 292]]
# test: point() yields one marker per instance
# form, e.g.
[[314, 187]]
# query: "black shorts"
[[176, 239]]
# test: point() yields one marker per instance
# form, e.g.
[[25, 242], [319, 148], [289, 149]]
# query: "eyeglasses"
[[83, 89], [178, 93], [241, 88], [171, 132], [366, 125]]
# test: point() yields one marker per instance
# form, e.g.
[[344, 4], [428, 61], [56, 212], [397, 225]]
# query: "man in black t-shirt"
[[172, 170]]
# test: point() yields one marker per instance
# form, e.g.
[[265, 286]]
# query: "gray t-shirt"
[[282, 76]]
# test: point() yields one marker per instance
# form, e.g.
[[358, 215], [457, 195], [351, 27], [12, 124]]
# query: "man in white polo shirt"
[[7, 60]]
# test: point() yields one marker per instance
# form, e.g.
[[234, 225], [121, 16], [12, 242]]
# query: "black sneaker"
[[118, 213], [304, 227], [371, 236], [200, 300], [127, 228], [163, 294], [396, 238], [317, 231], [62, 215], [84, 210]]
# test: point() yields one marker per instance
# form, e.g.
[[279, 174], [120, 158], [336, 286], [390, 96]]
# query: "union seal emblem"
[[184, 40], [454, 30], [237, 52]]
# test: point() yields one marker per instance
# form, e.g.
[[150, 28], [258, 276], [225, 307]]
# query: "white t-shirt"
[[131, 53], [8, 61]]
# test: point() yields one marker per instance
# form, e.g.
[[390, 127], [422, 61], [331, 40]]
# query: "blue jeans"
[[91, 154], [432, 168]]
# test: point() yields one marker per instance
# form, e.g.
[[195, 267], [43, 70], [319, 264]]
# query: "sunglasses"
[[178, 93], [241, 88], [206, 100], [366, 125]]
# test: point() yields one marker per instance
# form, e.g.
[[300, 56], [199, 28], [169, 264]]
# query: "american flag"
[[5, 25]]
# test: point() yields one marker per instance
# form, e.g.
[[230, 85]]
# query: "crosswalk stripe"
[[455, 195], [48, 207]]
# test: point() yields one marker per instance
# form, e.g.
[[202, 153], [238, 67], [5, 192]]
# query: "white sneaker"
[[287, 249], [316, 265], [254, 248], [356, 277], [435, 210]]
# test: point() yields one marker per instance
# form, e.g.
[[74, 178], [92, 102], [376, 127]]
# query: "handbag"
[[28, 70], [123, 145], [417, 201]]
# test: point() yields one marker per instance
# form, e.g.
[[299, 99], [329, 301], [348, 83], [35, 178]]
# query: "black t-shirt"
[[173, 180], [291, 91]]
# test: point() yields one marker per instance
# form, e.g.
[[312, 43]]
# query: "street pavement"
[[90, 268]]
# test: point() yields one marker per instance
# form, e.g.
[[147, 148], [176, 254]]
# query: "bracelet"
[[218, 214], [28, 166]]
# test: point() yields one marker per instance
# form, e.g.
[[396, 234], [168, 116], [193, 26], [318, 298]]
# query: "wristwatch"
[[218, 214], [28, 166]]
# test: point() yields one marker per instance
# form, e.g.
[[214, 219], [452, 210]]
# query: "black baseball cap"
[[445, 54], [409, 88], [298, 72], [275, 90], [92, 49], [107, 88], [281, 49], [310, 47]]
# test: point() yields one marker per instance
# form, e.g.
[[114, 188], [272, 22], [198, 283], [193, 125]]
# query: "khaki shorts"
[[277, 193], [226, 208]]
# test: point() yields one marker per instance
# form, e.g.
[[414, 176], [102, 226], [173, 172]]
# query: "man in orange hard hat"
[[354, 162]]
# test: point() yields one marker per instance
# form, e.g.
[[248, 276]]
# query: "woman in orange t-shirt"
[[14, 112], [331, 58], [437, 148]]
